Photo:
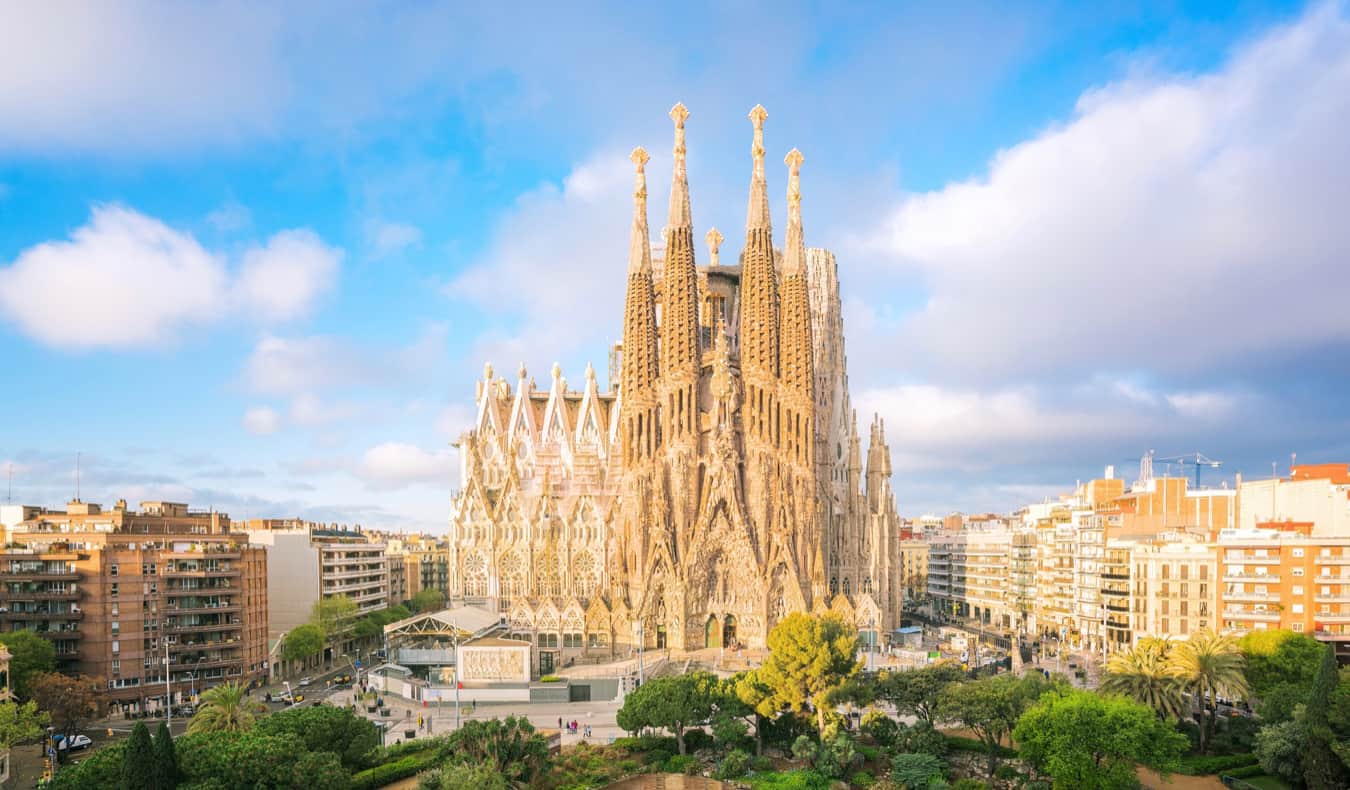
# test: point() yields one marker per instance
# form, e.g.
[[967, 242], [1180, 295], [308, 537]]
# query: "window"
[[114, 610], [548, 640], [116, 647], [116, 665], [597, 640], [116, 627], [1297, 589], [1297, 627], [1298, 608], [572, 640], [1166, 625], [1298, 552], [1298, 571], [112, 569], [112, 590]]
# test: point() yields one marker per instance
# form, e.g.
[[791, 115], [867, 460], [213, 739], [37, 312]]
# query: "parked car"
[[73, 743], [185, 711], [305, 681]]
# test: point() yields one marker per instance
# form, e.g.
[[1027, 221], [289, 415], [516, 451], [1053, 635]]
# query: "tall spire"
[[794, 253], [679, 182], [757, 216], [639, 244]]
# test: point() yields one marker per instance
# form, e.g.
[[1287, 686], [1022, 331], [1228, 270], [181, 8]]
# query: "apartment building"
[[1318, 494], [1175, 584], [1163, 504], [913, 567], [968, 575], [160, 601], [310, 561], [1282, 575]]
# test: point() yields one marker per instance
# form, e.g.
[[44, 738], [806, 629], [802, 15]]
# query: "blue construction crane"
[[1197, 460]]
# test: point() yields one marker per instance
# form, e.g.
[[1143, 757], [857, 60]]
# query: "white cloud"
[[396, 465], [1174, 223], [310, 364], [262, 420], [127, 280], [386, 238], [284, 278], [561, 254], [230, 217]]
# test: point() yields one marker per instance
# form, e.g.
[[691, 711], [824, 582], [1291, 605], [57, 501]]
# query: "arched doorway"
[[729, 631], [712, 634], [660, 637]]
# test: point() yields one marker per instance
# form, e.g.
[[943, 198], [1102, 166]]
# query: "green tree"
[[20, 722], [916, 771], [989, 707], [1279, 748], [461, 776], [326, 728], [1338, 716], [916, 691], [809, 657], [71, 700], [138, 764], [757, 696], [1143, 673], [29, 654], [167, 771], [372, 625], [226, 708], [430, 600], [1322, 767], [672, 703], [334, 616], [1280, 669], [1091, 742], [510, 746], [101, 770], [224, 760], [302, 643], [1209, 665]]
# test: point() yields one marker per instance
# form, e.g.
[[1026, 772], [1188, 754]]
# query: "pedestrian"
[[475, 705], [560, 722]]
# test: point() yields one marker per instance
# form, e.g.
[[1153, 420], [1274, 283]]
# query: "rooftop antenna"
[[77, 476], [9, 492]]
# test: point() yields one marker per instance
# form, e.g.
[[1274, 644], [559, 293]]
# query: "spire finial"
[[639, 249], [714, 237], [794, 161], [521, 372], [679, 182], [794, 254], [758, 215], [557, 371]]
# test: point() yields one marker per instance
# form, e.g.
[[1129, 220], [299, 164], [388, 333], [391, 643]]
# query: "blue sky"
[[254, 257]]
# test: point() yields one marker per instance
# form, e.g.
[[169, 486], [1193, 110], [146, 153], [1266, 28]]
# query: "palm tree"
[[1143, 674], [1209, 665], [226, 708]]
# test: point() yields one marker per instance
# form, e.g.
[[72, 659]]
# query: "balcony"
[[1336, 598], [204, 627], [222, 553], [39, 595], [200, 573], [1243, 614], [1250, 560], [42, 614], [193, 666], [40, 575], [1270, 578], [1344, 559], [1250, 596], [203, 608], [1343, 617]]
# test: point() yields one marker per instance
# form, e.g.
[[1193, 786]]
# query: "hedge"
[[961, 744], [1197, 765], [381, 775]]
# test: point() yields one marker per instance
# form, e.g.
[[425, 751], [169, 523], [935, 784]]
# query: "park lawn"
[[1267, 782]]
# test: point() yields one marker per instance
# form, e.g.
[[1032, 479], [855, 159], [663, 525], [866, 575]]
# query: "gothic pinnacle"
[[758, 214], [639, 246], [714, 238], [794, 254], [679, 183]]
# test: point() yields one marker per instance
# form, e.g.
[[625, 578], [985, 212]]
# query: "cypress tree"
[[167, 772], [138, 761], [1322, 768]]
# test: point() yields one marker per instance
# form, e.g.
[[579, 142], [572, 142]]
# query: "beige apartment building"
[[914, 567], [968, 575], [309, 561], [121, 592]]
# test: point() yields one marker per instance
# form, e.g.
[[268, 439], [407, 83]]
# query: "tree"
[[756, 701], [71, 700], [989, 707], [1279, 746], [326, 728], [226, 708], [167, 771], [1083, 740], [916, 691], [672, 703], [20, 722], [334, 616], [809, 657], [138, 764], [1322, 767], [302, 643], [916, 771], [29, 654], [511, 747], [372, 625], [220, 760], [1280, 669], [429, 600], [1143, 674], [458, 776], [1209, 665]]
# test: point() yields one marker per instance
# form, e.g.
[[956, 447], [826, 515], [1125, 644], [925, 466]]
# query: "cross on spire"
[[714, 238]]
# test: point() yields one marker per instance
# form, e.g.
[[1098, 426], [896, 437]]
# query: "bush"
[[804, 749], [1203, 766], [791, 780], [679, 764], [970, 784], [761, 764], [916, 771], [879, 727], [734, 765], [959, 744], [862, 779], [550, 679], [1236, 736], [102, 769], [697, 739], [457, 776], [1006, 771], [1246, 772], [921, 738], [402, 768], [327, 728]]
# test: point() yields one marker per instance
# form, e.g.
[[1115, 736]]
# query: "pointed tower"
[[796, 349], [639, 366], [759, 304], [680, 353]]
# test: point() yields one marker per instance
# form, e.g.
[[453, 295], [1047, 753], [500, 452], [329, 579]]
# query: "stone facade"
[[719, 487]]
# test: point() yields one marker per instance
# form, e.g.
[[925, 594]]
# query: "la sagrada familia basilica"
[[719, 487]]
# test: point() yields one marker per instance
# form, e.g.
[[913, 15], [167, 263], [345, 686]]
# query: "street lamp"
[[193, 676], [637, 631]]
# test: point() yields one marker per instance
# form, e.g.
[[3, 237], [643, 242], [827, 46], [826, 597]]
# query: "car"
[[185, 711], [305, 681], [73, 742]]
